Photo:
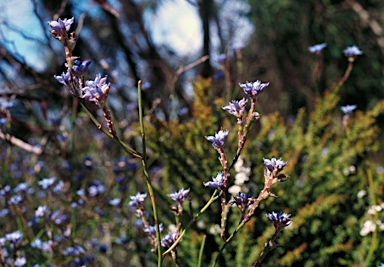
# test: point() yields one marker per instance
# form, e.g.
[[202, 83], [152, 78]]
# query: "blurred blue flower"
[[219, 139], [58, 217], [47, 182], [381, 265], [41, 211], [137, 201], [352, 51], [151, 230], [14, 200], [76, 250], [348, 108], [81, 67], [252, 89], [87, 162], [15, 237], [115, 202], [58, 187], [97, 90], [179, 196], [168, 240], [96, 188], [20, 262], [216, 183], [317, 48], [64, 78], [236, 108], [272, 163], [280, 220]]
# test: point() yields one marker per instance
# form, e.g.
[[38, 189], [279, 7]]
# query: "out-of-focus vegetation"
[[335, 189]]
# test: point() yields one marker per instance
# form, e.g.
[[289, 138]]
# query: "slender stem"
[[210, 201], [268, 247], [200, 259], [146, 174]]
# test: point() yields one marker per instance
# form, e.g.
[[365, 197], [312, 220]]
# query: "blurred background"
[[190, 56]]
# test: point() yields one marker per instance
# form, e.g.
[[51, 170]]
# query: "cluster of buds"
[[96, 90]]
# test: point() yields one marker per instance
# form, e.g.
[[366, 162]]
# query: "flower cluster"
[[280, 220], [253, 89], [219, 139]]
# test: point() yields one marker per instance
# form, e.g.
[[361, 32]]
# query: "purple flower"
[[352, 51], [137, 200], [47, 182], [179, 196], [168, 240], [80, 67], [317, 48], [348, 108], [61, 26], [115, 202], [236, 108], [97, 90], [219, 139], [242, 200], [272, 163], [252, 89], [280, 220], [64, 79], [151, 230], [216, 183]]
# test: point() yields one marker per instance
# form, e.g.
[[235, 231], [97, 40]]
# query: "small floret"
[[348, 108], [252, 89], [219, 139], [317, 48], [352, 51], [272, 163], [138, 200], [179, 196], [216, 183], [236, 108]]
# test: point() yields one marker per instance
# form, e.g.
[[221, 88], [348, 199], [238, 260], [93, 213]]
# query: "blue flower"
[[20, 262], [317, 48], [236, 108], [115, 202], [151, 230], [381, 265], [168, 240], [41, 211], [242, 200], [80, 67], [219, 139], [47, 182], [137, 201], [97, 90], [14, 237], [280, 220], [64, 79], [252, 89], [61, 26], [179, 196], [14, 200], [352, 51], [348, 108], [272, 163], [96, 188], [216, 183]]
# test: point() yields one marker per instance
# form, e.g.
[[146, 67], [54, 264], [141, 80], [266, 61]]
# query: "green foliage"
[[327, 167]]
